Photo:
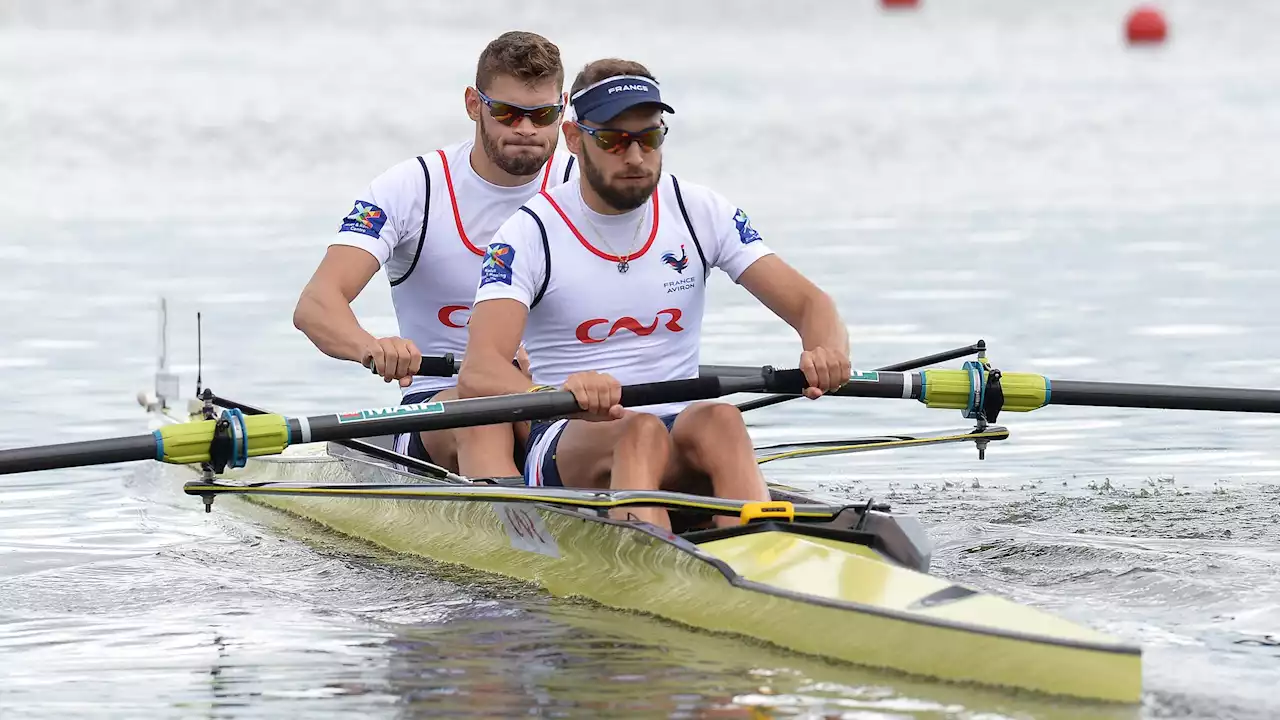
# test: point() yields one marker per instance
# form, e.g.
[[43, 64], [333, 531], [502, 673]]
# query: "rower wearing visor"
[[427, 221], [604, 279]]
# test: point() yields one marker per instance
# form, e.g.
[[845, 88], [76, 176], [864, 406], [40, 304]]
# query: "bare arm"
[[493, 337], [813, 314], [324, 313]]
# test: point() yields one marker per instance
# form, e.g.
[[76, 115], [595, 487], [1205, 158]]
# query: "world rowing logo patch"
[[746, 233], [366, 219], [498, 258]]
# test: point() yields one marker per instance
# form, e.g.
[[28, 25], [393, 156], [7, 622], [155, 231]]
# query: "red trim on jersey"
[[600, 253], [546, 175], [453, 200]]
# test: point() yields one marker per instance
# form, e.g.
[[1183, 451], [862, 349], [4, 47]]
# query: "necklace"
[[623, 264]]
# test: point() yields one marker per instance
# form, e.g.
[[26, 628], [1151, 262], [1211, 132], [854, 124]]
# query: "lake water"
[[990, 169]]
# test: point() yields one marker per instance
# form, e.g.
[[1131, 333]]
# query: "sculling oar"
[[982, 391], [368, 448], [978, 348], [448, 365], [234, 437]]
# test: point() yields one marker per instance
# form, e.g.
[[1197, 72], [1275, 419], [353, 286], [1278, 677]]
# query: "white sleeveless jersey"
[[644, 325], [427, 221]]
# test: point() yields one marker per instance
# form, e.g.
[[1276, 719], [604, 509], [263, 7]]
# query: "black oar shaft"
[[531, 406], [266, 434], [1165, 397], [86, 452]]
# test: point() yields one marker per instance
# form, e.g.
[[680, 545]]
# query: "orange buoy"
[[1146, 25], [899, 4]]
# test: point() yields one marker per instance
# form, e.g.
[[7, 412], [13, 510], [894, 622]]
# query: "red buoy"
[[1146, 25], [899, 4]]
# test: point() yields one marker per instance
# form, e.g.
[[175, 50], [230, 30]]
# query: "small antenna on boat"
[[199, 356]]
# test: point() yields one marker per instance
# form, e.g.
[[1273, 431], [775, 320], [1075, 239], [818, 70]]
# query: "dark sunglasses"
[[509, 113], [617, 141]]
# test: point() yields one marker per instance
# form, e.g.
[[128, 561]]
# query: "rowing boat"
[[846, 582], [817, 575], [820, 576]]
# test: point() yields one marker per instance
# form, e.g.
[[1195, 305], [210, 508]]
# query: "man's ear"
[[572, 136], [473, 102]]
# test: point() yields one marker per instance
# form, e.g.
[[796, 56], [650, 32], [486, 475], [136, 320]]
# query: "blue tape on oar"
[[239, 438]]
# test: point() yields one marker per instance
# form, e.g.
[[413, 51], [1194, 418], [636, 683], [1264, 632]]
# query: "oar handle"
[[438, 366], [447, 365], [711, 387]]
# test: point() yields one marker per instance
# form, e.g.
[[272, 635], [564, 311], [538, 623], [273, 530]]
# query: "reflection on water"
[[998, 170], [333, 625]]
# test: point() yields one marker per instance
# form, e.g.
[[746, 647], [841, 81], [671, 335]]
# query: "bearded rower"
[[428, 219], [605, 280]]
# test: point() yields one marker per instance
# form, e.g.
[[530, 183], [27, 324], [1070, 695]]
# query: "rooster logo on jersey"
[[677, 263]]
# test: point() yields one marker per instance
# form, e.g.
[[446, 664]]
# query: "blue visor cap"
[[608, 98]]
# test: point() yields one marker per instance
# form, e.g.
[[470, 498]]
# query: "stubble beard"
[[624, 199], [520, 165]]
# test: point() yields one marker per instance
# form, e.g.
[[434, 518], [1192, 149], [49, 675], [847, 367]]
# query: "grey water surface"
[[988, 169]]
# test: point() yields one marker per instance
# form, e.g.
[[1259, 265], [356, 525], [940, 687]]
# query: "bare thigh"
[[584, 453], [587, 451], [442, 445]]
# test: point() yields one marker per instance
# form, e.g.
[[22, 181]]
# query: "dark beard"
[[520, 165], [624, 199]]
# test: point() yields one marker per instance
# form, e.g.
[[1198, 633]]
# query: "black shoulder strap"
[[546, 254], [568, 167], [422, 236], [706, 269]]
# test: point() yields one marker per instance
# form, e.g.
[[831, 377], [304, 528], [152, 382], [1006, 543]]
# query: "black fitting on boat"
[[993, 397], [208, 411], [866, 510], [222, 447]]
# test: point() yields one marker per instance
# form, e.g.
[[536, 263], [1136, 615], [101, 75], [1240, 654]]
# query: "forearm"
[[486, 376], [820, 325], [327, 320]]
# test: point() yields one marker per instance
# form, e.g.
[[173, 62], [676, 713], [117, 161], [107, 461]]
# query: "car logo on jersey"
[[677, 264], [498, 258], [630, 324], [746, 233], [365, 218]]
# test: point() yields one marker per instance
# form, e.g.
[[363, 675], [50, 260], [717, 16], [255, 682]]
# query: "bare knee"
[[643, 432], [707, 426]]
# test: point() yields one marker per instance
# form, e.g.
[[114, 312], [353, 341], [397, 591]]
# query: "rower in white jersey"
[[427, 221], [605, 281]]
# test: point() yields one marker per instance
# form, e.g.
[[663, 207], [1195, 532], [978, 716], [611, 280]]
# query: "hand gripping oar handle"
[[431, 366]]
